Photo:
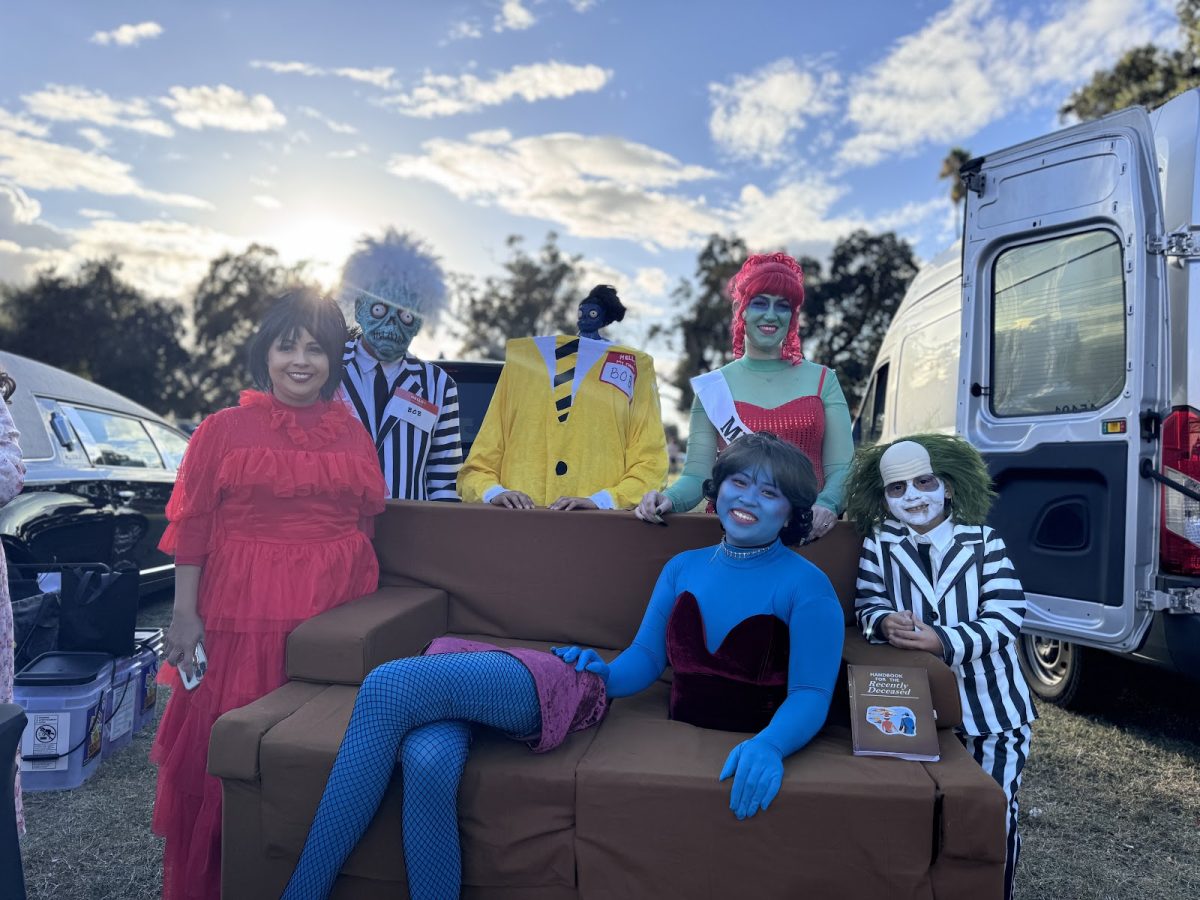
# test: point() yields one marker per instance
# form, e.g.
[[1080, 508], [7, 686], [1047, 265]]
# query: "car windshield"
[[112, 440]]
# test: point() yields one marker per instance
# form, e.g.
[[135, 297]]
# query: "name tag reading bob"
[[620, 370], [415, 410]]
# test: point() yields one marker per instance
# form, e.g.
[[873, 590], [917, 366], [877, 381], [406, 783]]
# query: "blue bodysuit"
[[419, 710]]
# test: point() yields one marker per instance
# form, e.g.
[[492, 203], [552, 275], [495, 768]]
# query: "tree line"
[[187, 359]]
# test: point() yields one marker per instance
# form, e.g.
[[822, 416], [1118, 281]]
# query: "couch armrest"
[[942, 683], [233, 744], [342, 645]]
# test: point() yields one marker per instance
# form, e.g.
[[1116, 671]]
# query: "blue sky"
[[167, 133]]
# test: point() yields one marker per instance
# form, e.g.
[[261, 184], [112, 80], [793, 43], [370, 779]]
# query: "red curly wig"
[[768, 273]]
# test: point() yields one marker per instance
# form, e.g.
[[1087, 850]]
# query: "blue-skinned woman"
[[420, 711], [769, 386]]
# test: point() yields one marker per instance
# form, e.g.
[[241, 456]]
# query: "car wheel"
[[1060, 672]]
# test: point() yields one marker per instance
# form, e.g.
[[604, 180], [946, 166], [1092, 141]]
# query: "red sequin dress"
[[800, 422], [275, 503]]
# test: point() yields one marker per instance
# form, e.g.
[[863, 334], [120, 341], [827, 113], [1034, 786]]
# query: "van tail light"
[[1180, 526]]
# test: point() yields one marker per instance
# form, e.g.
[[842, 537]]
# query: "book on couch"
[[891, 713]]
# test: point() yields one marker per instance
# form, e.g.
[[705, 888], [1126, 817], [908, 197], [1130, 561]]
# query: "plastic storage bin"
[[121, 704], [64, 696]]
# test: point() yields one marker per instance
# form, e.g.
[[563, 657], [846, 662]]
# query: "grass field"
[[1110, 806]]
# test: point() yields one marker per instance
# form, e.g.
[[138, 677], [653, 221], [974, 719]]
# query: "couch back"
[[582, 577]]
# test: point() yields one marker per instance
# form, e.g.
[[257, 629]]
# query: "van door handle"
[[978, 390]]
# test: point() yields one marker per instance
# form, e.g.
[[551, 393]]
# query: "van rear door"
[[1064, 346]]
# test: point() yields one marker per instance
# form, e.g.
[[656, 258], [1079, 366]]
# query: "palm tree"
[[954, 161]]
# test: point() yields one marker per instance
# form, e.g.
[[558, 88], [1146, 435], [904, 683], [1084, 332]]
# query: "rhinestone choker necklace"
[[744, 553]]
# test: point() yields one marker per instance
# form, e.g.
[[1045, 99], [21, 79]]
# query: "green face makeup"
[[767, 317]]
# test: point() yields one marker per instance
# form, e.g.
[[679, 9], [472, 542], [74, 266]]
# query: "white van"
[[1062, 338]]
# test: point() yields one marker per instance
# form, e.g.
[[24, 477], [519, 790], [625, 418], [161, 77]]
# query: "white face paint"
[[920, 510]]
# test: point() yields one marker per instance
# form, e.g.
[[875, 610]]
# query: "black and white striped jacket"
[[417, 465], [975, 605]]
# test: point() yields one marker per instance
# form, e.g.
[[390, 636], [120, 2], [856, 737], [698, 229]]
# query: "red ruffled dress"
[[275, 503]]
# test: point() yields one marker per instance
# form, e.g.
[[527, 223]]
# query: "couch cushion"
[[653, 821], [970, 860], [541, 595], [516, 809], [343, 644]]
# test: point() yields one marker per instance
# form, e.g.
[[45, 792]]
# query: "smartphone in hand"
[[199, 665]]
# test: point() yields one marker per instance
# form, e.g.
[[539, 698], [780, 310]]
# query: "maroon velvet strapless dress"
[[737, 688]]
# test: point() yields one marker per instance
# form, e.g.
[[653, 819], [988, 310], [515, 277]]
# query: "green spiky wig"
[[954, 460]]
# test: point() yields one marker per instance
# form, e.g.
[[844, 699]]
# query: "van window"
[[928, 375], [873, 407], [112, 440], [1058, 326], [170, 444]]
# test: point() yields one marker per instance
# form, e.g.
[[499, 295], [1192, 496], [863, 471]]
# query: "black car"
[[476, 382], [99, 471]]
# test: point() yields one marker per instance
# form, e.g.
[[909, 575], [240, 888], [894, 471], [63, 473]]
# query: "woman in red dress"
[[769, 386], [270, 524]]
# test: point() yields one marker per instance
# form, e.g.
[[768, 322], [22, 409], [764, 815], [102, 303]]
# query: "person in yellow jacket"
[[574, 422]]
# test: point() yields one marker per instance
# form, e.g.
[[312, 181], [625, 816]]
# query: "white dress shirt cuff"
[[493, 492], [602, 499]]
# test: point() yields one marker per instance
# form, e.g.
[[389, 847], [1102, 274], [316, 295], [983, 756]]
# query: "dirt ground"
[[1110, 806]]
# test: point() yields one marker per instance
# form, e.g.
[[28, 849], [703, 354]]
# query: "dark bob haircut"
[[606, 296], [300, 308], [792, 471]]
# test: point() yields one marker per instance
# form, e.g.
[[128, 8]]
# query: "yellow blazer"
[[611, 448]]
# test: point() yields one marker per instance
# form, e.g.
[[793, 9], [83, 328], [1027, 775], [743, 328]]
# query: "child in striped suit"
[[934, 577]]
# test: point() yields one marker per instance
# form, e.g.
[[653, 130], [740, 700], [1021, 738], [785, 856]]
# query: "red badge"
[[620, 370]]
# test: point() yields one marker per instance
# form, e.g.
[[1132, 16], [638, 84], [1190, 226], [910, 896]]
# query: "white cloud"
[[42, 165], [513, 16], [380, 76], [24, 240], [601, 187], [266, 201], [448, 95], [334, 126], [89, 213], [164, 258], [11, 122], [757, 115], [582, 6], [970, 65], [95, 137], [72, 103], [349, 152], [223, 107], [465, 30], [128, 35], [653, 282]]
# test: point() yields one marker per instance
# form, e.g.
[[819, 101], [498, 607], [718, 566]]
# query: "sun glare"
[[321, 241]]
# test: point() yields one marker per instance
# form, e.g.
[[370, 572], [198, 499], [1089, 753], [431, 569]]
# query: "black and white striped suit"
[[416, 465], [975, 604]]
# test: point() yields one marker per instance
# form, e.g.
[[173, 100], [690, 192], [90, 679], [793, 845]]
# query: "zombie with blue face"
[[752, 630], [574, 422], [410, 407]]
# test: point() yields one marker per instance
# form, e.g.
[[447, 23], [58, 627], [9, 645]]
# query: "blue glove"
[[757, 770], [585, 660]]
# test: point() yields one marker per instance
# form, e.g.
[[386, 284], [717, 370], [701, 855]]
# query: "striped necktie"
[[564, 376]]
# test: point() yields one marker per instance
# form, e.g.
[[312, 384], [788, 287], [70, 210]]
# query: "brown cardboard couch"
[[630, 809]]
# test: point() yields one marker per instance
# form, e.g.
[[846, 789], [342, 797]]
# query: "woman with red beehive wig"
[[769, 386]]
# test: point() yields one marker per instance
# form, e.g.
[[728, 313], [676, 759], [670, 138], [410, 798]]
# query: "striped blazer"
[[417, 464], [975, 605]]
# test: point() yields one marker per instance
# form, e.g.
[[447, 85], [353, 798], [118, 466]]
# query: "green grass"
[[1110, 806]]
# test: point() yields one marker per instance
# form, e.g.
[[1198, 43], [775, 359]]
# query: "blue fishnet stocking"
[[416, 710]]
